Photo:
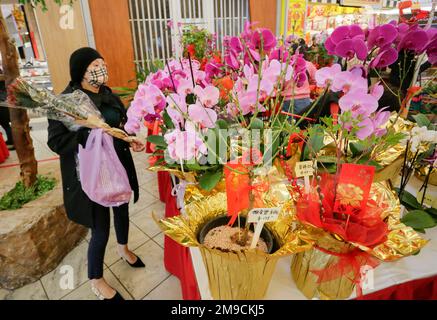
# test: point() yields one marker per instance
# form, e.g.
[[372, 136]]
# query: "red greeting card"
[[353, 188], [237, 189]]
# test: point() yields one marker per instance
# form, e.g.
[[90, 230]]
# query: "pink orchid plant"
[[189, 103]]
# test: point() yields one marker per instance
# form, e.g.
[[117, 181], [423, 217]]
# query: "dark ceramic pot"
[[266, 234]]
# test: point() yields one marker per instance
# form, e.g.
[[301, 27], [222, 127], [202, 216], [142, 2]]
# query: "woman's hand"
[[137, 145]]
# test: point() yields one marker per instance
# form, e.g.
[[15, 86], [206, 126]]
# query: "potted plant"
[[352, 219]]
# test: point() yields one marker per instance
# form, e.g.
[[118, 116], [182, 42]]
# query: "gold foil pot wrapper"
[[401, 241], [234, 275], [390, 171], [396, 152], [304, 262], [422, 172]]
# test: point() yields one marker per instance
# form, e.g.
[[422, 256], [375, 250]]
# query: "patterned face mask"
[[97, 76]]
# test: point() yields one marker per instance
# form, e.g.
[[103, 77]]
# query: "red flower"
[[191, 49], [225, 85]]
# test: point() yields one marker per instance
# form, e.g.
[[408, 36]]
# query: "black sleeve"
[[63, 141]]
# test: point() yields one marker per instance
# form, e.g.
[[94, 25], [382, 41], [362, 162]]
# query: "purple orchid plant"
[[362, 130]]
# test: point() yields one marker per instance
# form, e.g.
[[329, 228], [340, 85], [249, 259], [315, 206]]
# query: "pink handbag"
[[102, 175]]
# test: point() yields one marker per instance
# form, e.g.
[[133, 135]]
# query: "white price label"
[[263, 215], [304, 169]]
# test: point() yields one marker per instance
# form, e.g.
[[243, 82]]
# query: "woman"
[[89, 74], [300, 95], [5, 119]]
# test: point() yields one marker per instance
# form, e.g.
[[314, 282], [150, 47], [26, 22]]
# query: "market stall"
[[321, 258]]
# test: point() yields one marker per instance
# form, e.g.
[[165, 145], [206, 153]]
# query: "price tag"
[[305, 169], [261, 216]]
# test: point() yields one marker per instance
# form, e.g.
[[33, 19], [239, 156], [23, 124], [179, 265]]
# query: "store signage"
[[296, 14], [361, 3]]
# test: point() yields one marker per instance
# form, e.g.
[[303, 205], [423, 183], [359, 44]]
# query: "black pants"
[[100, 236]]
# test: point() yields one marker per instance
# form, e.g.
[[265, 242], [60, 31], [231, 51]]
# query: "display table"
[[413, 277], [4, 152]]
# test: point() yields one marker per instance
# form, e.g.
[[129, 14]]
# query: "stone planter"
[[35, 239]]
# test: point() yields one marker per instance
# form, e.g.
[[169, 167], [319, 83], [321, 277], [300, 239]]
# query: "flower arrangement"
[[420, 152], [194, 105], [206, 115], [343, 210]]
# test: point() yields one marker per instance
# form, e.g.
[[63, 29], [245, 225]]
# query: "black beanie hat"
[[79, 62]]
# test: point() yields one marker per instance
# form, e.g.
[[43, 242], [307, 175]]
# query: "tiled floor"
[[145, 239]]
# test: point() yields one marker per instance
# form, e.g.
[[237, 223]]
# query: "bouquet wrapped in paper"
[[75, 109]]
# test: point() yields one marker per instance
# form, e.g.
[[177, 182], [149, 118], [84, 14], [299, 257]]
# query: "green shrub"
[[21, 195]]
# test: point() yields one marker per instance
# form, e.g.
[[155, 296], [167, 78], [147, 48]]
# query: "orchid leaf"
[[418, 219], [409, 200], [157, 140], [209, 180], [422, 120]]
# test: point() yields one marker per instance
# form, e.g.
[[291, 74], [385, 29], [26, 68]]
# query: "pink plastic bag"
[[102, 175]]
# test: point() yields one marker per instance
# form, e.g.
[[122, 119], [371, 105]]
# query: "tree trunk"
[[19, 119]]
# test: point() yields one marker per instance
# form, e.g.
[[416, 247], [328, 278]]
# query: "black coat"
[[65, 143]]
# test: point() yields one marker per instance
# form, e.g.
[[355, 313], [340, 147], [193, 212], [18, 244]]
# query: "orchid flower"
[[177, 108], [272, 72], [415, 40], [346, 80], [185, 86], [231, 60], [248, 102], [132, 126], [366, 129], [184, 145], [325, 76], [377, 90], [266, 87], [347, 42], [379, 121], [382, 35], [349, 48], [384, 58], [205, 117], [209, 97], [266, 36], [359, 103]]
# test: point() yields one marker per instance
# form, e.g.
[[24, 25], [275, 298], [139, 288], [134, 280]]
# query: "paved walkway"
[[145, 239]]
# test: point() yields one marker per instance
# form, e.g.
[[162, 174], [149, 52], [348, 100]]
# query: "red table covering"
[[4, 152], [178, 261]]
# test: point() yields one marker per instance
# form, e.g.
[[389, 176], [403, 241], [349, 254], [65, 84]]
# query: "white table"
[[387, 274]]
